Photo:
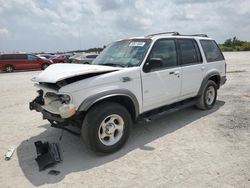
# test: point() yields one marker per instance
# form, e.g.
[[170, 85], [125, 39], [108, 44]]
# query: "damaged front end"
[[56, 106], [57, 109], [53, 106]]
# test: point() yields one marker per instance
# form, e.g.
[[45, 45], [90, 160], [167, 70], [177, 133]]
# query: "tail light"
[[225, 68]]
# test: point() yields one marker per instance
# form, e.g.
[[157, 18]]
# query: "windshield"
[[125, 53]]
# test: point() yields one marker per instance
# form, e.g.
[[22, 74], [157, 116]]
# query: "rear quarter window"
[[6, 57], [211, 50], [13, 57]]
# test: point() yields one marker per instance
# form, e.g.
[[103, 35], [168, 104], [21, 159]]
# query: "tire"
[[106, 127], [209, 95], [44, 66], [8, 68]]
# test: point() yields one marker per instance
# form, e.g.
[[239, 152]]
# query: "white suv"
[[131, 79]]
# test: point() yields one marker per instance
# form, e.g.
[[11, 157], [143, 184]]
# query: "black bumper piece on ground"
[[48, 154]]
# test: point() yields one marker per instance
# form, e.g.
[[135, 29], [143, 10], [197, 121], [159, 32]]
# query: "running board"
[[147, 116]]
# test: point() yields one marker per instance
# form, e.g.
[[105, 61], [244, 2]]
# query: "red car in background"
[[61, 58], [11, 62]]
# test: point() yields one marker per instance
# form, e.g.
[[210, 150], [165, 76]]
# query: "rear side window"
[[20, 56], [14, 57], [190, 52], [211, 50]]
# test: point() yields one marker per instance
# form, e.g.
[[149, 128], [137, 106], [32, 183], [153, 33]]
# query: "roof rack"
[[173, 33], [197, 35]]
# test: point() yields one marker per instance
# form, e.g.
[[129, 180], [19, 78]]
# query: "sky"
[[64, 25]]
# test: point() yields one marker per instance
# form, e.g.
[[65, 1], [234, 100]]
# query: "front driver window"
[[165, 50], [32, 57]]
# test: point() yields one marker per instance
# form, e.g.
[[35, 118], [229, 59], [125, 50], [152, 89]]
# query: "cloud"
[[3, 31], [111, 4], [58, 25]]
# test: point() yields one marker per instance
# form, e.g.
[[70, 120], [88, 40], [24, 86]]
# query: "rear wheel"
[[208, 98], [8, 68], [106, 127], [44, 66]]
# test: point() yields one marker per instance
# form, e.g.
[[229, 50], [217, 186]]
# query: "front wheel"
[[106, 127], [208, 98]]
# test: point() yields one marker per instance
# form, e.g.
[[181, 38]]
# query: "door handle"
[[202, 68], [176, 72]]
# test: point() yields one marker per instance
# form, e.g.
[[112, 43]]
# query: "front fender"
[[91, 100]]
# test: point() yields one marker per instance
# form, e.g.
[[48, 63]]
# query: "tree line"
[[234, 44]]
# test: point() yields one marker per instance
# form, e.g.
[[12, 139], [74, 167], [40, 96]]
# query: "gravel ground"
[[188, 148]]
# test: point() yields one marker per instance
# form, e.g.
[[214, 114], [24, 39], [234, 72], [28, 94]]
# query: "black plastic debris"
[[54, 172], [48, 154]]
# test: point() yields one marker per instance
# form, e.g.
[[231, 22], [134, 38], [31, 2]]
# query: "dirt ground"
[[188, 148]]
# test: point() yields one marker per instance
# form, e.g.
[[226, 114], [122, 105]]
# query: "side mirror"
[[152, 64]]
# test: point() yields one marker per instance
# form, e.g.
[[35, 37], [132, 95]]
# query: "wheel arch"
[[214, 76], [124, 97], [8, 64]]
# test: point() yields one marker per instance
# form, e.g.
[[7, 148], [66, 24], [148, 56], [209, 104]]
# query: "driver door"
[[162, 85]]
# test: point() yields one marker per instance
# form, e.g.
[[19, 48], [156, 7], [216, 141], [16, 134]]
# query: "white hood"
[[61, 71]]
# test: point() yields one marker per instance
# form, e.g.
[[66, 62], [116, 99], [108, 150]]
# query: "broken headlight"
[[65, 98]]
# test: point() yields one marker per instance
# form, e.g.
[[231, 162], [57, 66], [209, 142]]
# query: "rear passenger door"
[[192, 67], [33, 62], [20, 61]]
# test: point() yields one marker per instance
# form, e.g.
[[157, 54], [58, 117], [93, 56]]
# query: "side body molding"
[[89, 101], [206, 78]]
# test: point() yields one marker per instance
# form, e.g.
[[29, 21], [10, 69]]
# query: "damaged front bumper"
[[46, 115], [53, 113]]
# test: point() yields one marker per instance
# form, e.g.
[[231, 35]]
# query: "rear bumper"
[[223, 80]]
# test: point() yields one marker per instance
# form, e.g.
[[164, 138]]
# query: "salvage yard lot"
[[188, 148]]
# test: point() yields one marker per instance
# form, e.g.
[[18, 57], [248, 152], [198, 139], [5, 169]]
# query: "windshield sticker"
[[137, 44]]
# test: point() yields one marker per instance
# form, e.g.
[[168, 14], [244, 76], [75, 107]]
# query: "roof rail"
[[173, 33], [197, 35]]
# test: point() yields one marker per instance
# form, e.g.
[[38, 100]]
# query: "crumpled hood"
[[61, 71]]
